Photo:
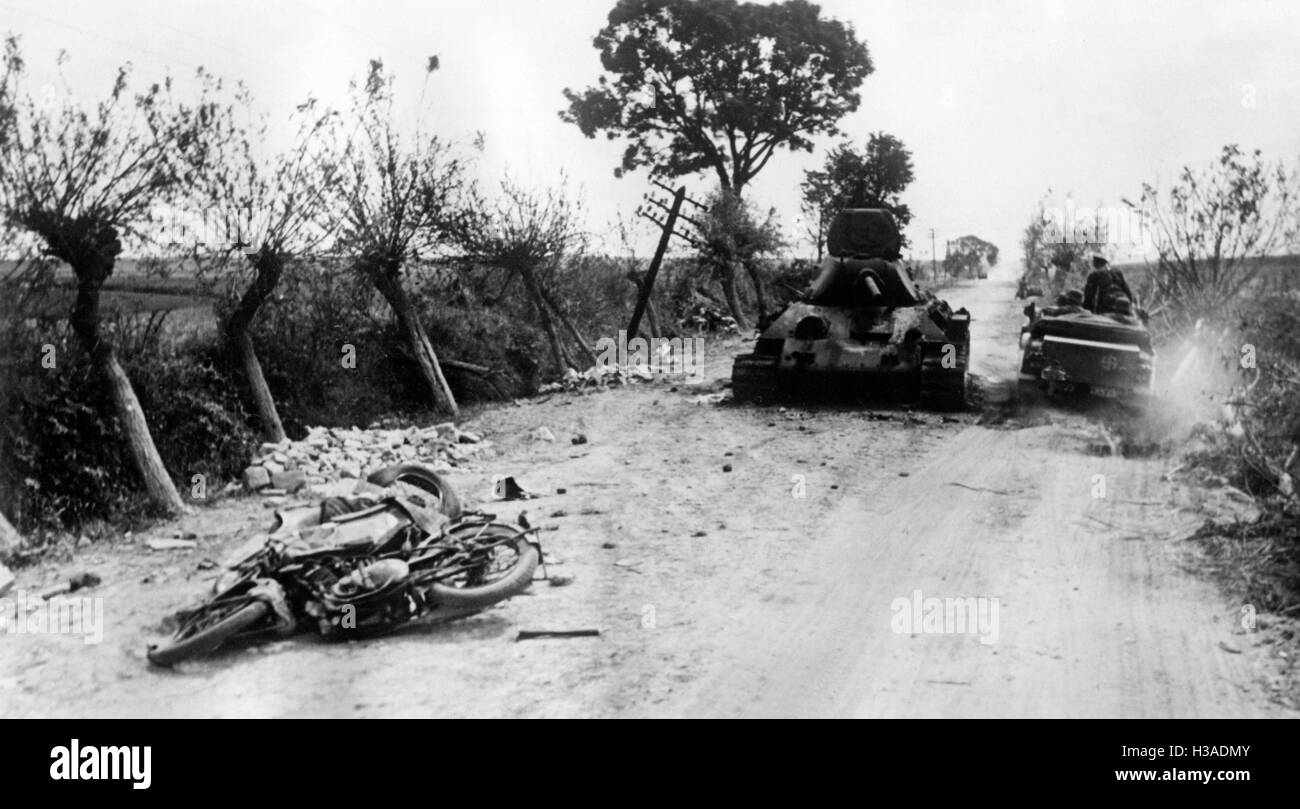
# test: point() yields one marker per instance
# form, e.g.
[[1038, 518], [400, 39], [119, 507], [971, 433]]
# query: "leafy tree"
[[260, 212], [965, 255], [874, 177], [1212, 228], [729, 234], [1055, 253], [398, 200], [717, 85], [85, 181]]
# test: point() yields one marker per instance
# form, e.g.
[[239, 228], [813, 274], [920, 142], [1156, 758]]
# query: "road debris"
[[543, 434], [980, 488], [532, 634], [505, 487], [334, 453], [78, 582], [171, 544]]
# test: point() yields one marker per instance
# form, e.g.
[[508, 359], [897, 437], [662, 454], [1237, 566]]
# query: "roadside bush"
[[62, 460]]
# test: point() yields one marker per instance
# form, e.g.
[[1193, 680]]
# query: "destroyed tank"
[[863, 329]]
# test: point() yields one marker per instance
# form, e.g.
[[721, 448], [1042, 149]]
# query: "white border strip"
[[1075, 341]]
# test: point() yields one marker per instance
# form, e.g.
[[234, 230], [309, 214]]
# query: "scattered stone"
[[272, 467], [256, 477], [726, 467], [561, 490], [579, 439], [290, 481], [904, 474], [469, 438], [171, 544], [543, 434], [560, 581], [700, 534], [608, 545], [272, 502]]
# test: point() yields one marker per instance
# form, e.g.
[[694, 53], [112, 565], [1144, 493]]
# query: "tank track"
[[753, 379], [942, 388]]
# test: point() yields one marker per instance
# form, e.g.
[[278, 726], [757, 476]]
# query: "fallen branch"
[[980, 489]]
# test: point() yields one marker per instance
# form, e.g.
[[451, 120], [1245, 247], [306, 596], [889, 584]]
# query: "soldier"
[[1067, 303], [1104, 287], [1122, 310]]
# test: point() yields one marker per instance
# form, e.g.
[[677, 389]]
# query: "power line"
[[129, 45]]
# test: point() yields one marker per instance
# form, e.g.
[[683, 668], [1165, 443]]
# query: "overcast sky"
[[998, 101]]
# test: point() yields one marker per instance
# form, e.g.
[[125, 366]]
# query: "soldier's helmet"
[[1099, 261]]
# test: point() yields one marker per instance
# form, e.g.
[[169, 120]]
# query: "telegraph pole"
[[934, 272]]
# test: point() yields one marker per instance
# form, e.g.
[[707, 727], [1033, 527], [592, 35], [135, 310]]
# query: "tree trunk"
[[544, 314], [568, 325], [10, 539], [269, 267], [760, 293], [258, 390], [653, 319], [730, 295], [389, 284], [162, 491]]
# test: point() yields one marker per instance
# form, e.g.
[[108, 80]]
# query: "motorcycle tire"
[[206, 641], [514, 582], [421, 477]]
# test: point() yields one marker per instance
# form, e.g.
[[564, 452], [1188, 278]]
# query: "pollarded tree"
[[397, 199], [529, 233], [258, 213], [87, 180], [874, 177], [717, 85]]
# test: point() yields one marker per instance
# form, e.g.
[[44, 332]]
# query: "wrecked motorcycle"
[[355, 567]]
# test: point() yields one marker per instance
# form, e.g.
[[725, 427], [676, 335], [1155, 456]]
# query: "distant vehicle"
[[864, 329], [1076, 352]]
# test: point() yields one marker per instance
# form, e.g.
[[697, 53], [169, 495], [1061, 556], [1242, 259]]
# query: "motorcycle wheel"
[[512, 580], [424, 478], [207, 639]]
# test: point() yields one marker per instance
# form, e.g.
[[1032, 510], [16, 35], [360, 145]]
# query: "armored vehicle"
[[863, 329]]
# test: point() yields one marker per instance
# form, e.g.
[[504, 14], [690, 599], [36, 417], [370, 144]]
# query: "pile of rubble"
[[599, 376], [329, 453]]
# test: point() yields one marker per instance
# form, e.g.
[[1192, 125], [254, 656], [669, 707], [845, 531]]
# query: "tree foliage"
[[874, 177], [966, 254], [1213, 227], [86, 181], [398, 200], [1055, 254], [718, 85]]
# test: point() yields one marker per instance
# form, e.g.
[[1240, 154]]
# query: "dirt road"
[[799, 582]]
